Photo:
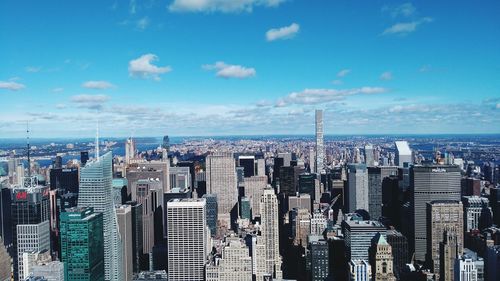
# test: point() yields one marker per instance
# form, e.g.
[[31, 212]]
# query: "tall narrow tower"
[[320, 150], [269, 220], [96, 192]]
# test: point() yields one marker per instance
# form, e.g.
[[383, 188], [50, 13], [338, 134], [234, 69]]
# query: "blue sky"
[[216, 67]]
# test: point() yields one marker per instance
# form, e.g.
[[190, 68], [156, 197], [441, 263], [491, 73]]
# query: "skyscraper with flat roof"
[[403, 153], [357, 187], [124, 216], [269, 220], [320, 149], [96, 191], [428, 183], [187, 238], [221, 180], [82, 244]]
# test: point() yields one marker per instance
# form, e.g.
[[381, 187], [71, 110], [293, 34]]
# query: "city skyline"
[[214, 68]]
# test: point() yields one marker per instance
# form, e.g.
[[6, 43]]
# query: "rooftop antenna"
[[97, 139], [28, 146]]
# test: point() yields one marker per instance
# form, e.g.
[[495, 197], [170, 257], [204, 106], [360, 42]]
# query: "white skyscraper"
[[129, 150], [369, 156], [270, 231], [187, 236], [320, 150], [96, 191], [403, 153], [235, 263], [31, 237], [221, 180]]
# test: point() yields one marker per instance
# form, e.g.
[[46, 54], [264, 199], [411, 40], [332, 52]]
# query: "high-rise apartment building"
[[221, 180], [82, 244], [428, 183], [96, 192], [357, 188], [320, 149], [187, 239], [443, 215]]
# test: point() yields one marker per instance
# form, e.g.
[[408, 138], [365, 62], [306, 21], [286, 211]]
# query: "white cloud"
[[225, 6], [285, 32], [90, 101], [143, 67], [60, 106], [406, 9], [11, 85], [142, 23], [343, 72], [100, 85], [386, 76], [33, 69], [230, 71], [404, 28], [57, 90], [318, 96]]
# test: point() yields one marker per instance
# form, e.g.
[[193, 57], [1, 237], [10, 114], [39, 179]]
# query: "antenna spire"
[[28, 146], [97, 139]]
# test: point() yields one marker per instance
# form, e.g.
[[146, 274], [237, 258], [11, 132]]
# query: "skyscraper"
[[211, 207], [187, 239], [248, 164], [469, 266], [254, 188], [428, 183], [82, 244], [376, 175], [269, 220], [96, 191], [358, 237], [382, 260], [5, 263], [30, 211], [320, 150], [369, 156], [357, 188], [403, 153], [399, 245], [235, 263], [130, 150], [474, 208], [221, 180], [443, 215], [124, 216], [360, 270], [318, 251]]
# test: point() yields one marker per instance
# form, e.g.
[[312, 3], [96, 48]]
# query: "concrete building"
[[318, 257], [403, 154], [212, 212], [357, 188], [376, 175], [301, 226], [318, 223], [443, 215], [124, 216], [399, 245], [382, 259], [221, 180], [5, 263], [369, 156], [234, 263], [187, 239], [270, 231], [469, 267], [180, 177], [31, 237], [254, 189], [428, 183], [358, 235], [474, 206], [96, 192], [360, 270]]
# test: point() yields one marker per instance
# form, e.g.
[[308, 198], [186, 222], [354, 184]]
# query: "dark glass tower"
[[82, 244]]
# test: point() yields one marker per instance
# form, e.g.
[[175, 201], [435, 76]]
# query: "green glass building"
[[82, 244]]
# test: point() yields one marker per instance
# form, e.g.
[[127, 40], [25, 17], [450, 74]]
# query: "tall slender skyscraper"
[[187, 239], [320, 150], [96, 191], [221, 180], [269, 219], [358, 197]]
